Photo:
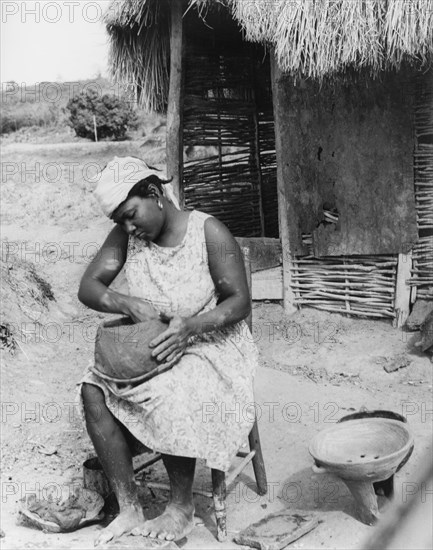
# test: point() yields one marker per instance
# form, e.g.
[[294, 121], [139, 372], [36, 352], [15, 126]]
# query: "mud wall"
[[347, 147]]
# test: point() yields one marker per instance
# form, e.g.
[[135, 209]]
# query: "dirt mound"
[[25, 298]]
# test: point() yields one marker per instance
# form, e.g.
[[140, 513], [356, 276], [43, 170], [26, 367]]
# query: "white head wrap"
[[120, 175]]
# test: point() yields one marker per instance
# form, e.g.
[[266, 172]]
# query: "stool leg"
[[219, 494], [258, 462]]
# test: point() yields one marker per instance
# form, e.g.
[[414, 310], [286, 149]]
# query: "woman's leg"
[[113, 451], [177, 520]]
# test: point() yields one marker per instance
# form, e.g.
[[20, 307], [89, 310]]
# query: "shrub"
[[113, 116], [24, 115]]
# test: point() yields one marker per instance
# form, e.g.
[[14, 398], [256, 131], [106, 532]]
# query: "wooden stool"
[[220, 481]]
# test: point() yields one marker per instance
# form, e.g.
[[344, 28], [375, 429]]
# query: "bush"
[[113, 116], [24, 115]]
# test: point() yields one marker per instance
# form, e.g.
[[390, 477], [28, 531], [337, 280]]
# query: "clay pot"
[[122, 352], [365, 449]]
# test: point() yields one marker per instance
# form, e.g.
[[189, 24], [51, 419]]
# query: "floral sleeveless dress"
[[204, 406]]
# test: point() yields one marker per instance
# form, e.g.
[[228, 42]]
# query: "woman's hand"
[[140, 310], [171, 344]]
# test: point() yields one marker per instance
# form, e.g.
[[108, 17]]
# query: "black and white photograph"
[[216, 308]]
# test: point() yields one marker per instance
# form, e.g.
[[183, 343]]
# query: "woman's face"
[[140, 218]]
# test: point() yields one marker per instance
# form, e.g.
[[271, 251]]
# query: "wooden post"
[[246, 255], [258, 462], [280, 119], [95, 130], [174, 144], [402, 289]]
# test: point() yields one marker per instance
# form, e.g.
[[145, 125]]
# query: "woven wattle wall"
[[268, 166], [356, 285], [422, 252], [238, 183]]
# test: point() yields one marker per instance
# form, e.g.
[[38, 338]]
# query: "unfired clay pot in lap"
[[122, 352]]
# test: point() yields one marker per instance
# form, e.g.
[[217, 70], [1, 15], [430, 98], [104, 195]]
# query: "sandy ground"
[[315, 368]]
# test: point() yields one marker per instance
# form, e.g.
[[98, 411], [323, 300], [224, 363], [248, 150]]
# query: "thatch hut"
[[318, 110]]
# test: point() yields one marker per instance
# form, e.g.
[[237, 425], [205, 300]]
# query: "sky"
[[53, 40]]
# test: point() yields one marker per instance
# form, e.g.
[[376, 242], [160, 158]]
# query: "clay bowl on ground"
[[379, 413], [365, 449], [122, 352]]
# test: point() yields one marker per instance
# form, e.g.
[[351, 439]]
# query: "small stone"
[[420, 311]]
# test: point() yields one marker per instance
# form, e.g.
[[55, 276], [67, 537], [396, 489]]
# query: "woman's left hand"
[[171, 344]]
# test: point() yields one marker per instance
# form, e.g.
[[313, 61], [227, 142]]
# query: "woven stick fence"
[[222, 186], [422, 268], [422, 253], [268, 166], [215, 122], [238, 185], [357, 285]]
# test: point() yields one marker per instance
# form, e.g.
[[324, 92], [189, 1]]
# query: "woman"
[[185, 267]]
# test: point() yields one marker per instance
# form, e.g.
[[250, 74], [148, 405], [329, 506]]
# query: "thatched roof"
[[312, 38]]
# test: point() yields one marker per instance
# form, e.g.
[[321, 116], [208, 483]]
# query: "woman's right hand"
[[140, 310]]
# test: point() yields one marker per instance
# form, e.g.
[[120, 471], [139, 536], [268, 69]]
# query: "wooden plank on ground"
[[268, 284], [276, 531]]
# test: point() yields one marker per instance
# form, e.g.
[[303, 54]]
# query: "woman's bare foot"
[[124, 523], [175, 523]]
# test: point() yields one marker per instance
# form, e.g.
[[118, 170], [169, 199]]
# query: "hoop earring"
[[159, 203]]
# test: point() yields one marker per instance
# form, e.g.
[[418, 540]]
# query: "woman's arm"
[[102, 271], [227, 270]]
